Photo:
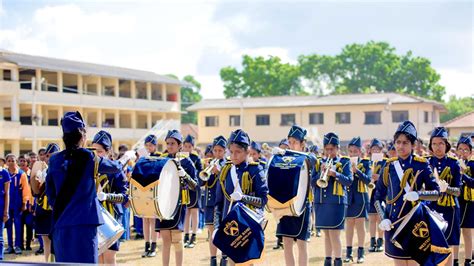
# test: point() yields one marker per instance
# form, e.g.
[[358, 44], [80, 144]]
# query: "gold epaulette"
[[195, 153], [365, 159], [262, 162], [254, 163], [228, 162], [420, 159], [452, 158], [345, 157], [393, 159], [164, 154]]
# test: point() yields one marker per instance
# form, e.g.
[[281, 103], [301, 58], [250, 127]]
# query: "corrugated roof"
[[465, 120], [76, 67], [300, 101]]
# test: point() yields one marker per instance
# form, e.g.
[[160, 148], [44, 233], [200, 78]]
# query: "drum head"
[[168, 190], [299, 204]]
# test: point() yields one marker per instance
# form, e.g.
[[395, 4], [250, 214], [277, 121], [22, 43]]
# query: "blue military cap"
[[390, 146], [376, 142], [297, 132], [174, 133], [52, 148], [256, 146], [239, 137], [72, 121], [466, 140], [331, 138], [151, 139], [284, 142], [220, 141], [439, 132], [314, 148], [189, 139], [355, 142], [103, 138], [208, 149], [407, 128]]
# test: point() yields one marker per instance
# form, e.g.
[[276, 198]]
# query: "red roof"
[[465, 120]]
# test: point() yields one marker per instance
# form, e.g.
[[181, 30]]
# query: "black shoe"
[[17, 250], [28, 248], [360, 255], [223, 261], [213, 261], [467, 262], [186, 240], [138, 236], [349, 257], [337, 262], [152, 251], [39, 251], [192, 241], [147, 249], [9, 250], [373, 245], [318, 232], [379, 247], [328, 261]]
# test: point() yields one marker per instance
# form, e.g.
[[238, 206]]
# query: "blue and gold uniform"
[[391, 188], [331, 202], [194, 195], [377, 170], [298, 227], [71, 190], [4, 179], [449, 170], [112, 184], [467, 192], [210, 185], [357, 192]]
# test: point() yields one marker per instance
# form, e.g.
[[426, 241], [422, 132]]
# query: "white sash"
[[235, 179], [398, 169]]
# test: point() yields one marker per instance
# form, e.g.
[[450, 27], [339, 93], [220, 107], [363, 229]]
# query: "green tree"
[[190, 94], [374, 66], [457, 106], [261, 77]]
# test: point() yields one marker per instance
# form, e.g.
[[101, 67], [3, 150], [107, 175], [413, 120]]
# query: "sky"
[[200, 37]]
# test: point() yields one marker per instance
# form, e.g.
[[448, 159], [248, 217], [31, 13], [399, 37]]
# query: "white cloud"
[[212, 86], [457, 82]]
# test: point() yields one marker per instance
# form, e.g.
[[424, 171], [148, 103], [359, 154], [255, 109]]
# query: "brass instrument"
[[206, 173], [371, 185], [323, 180]]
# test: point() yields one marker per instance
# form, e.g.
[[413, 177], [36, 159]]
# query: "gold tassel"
[[445, 199], [337, 189], [361, 186], [468, 193], [185, 197]]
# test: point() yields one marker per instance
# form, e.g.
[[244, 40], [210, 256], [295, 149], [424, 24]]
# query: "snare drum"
[[155, 188], [288, 183], [109, 232]]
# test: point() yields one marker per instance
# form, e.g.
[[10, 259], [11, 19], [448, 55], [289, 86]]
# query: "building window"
[[288, 120], [373, 118], [343, 118], [212, 121], [234, 120], [263, 120], [25, 120], [53, 122], [316, 118], [427, 117], [399, 116]]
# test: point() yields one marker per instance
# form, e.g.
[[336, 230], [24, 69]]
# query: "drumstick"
[[230, 206], [411, 189]]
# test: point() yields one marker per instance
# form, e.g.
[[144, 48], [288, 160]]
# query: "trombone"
[[323, 180], [206, 173]]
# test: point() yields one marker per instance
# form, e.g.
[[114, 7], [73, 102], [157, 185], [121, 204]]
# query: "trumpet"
[[371, 185], [272, 150], [206, 173], [323, 180]]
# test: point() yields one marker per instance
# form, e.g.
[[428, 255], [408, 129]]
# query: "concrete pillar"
[[133, 89], [134, 119], [1, 74], [39, 113], [148, 91], [99, 86], [115, 146], [2, 149], [16, 147], [163, 92], [99, 118], [15, 73], [38, 80], [60, 81], [148, 120], [116, 88], [117, 118], [2, 113], [60, 113], [80, 84], [15, 109]]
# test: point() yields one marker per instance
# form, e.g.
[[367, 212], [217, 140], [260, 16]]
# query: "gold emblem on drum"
[[231, 228], [288, 159], [421, 230]]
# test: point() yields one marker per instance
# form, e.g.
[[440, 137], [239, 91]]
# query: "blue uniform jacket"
[[448, 169], [210, 187], [391, 190], [83, 208], [358, 192], [335, 192]]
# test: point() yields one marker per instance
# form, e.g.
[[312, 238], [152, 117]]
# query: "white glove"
[[443, 185], [385, 225], [181, 172], [236, 196], [41, 176], [277, 150], [411, 196], [127, 156], [102, 196]]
